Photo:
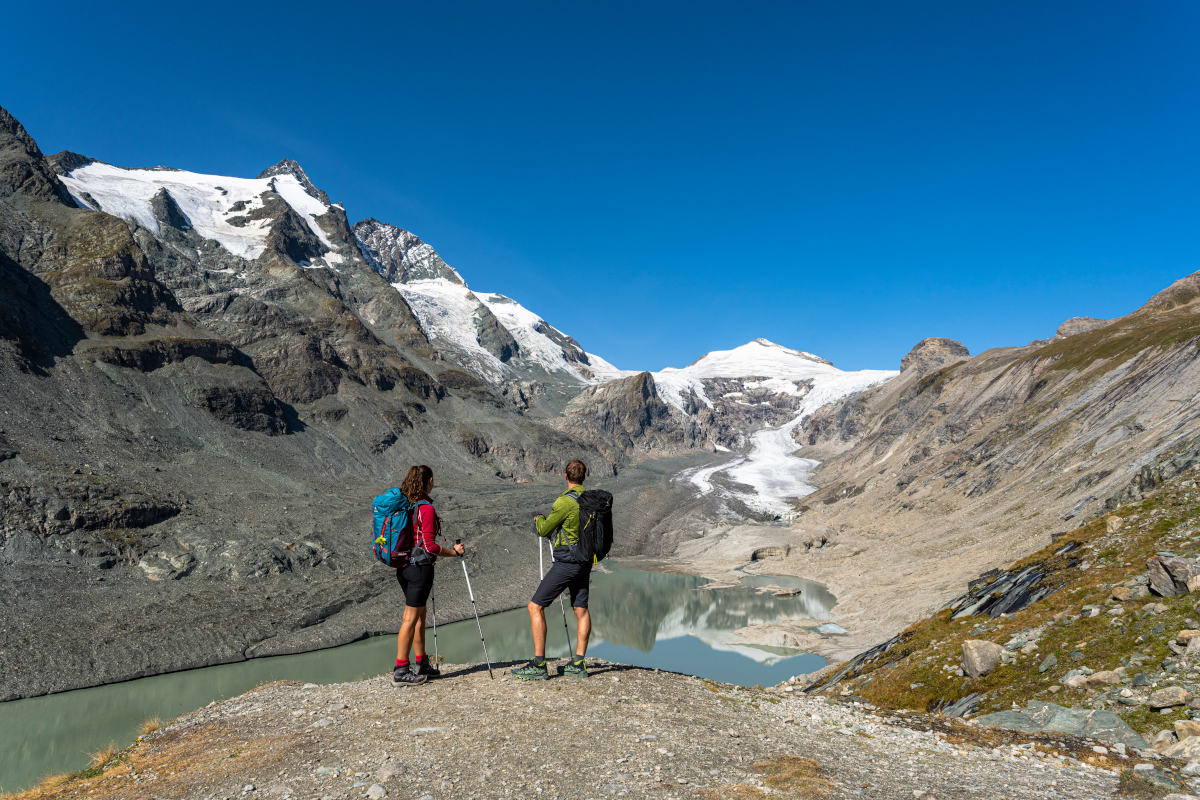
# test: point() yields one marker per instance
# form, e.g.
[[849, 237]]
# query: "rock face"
[[1104, 726], [400, 256], [930, 355], [980, 657], [939, 457], [622, 417]]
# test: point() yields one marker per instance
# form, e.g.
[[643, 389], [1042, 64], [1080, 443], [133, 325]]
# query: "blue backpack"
[[392, 531]]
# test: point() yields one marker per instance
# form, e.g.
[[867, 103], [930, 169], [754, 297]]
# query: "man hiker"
[[569, 571]]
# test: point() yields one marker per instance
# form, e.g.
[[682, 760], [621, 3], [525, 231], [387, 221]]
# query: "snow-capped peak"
[[759, 357], [780, 368], [290, 167], [217, 207]]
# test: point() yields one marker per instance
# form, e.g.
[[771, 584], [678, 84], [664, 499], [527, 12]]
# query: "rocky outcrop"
[[64, 161], [168, 212], [1173, 576], [623, 417], [101, 277], [571, 349], [1078, 325], [1104, 726], [399, 256], [932, 354], [493, 336], [147, 354], [24, 172], [1156, 473]]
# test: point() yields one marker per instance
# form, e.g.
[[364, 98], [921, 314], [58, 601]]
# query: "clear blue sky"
[[661, 179]]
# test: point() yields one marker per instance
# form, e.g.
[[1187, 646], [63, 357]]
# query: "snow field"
[[448, 312], [206, 200]]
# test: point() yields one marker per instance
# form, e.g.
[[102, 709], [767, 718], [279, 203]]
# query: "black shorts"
[[417, 583], [572, 577]]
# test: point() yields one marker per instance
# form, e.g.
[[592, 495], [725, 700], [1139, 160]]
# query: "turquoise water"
[[639, 617]]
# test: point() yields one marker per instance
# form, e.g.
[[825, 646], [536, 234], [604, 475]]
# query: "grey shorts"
[[575, 578]]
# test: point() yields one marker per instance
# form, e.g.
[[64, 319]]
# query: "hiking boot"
[[576, 668], [425, 667], [533, 671], [403, 676]]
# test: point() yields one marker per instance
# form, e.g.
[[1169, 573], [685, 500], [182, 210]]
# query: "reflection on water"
[[649, 619]]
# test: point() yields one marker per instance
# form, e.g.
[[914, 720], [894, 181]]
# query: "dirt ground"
[[622, 732]]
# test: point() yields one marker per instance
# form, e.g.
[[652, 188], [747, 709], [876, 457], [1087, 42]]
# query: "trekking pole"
[[433, 610], [477, 623]]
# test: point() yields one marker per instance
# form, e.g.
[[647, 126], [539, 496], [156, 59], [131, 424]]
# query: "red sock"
[[401, 662], [422, 657]]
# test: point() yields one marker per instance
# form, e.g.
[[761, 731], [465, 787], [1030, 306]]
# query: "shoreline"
[[874, 600]]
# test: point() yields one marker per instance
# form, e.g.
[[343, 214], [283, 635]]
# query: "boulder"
[[1122, 593], [1184, 749], [1106, 676], [1050, 662], [1169, 697], [376, 792], [389, 770], [1170, 576], [1186, 635], [1076, 682], [1164, 738], [1113, 524], [980, 657], [1104, 726], [1186, 728]]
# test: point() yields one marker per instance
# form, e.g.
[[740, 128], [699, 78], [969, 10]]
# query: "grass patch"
[[794, 776], [150, 725], [789, 777], [104, 755], [1132, 785]]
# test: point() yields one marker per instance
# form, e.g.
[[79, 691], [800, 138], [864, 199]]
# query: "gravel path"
[[623, 732]]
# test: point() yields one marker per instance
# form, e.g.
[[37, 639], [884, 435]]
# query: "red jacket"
[[426, 526]]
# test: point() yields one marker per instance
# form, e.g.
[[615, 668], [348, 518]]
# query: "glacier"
[[771, 467]]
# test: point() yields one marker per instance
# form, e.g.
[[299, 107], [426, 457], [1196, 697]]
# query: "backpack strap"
[[437, 521]]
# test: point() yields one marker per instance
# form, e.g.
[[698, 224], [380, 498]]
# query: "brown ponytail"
[[415, 482]]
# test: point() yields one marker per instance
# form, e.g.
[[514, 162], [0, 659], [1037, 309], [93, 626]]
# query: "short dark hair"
[[576, 471]]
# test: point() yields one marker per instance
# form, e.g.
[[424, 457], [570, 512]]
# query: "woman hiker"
[[416, 579]]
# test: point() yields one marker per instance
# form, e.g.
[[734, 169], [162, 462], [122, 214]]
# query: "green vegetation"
[[1121, 342]]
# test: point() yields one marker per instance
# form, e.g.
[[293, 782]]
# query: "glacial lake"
[[640, 617]]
